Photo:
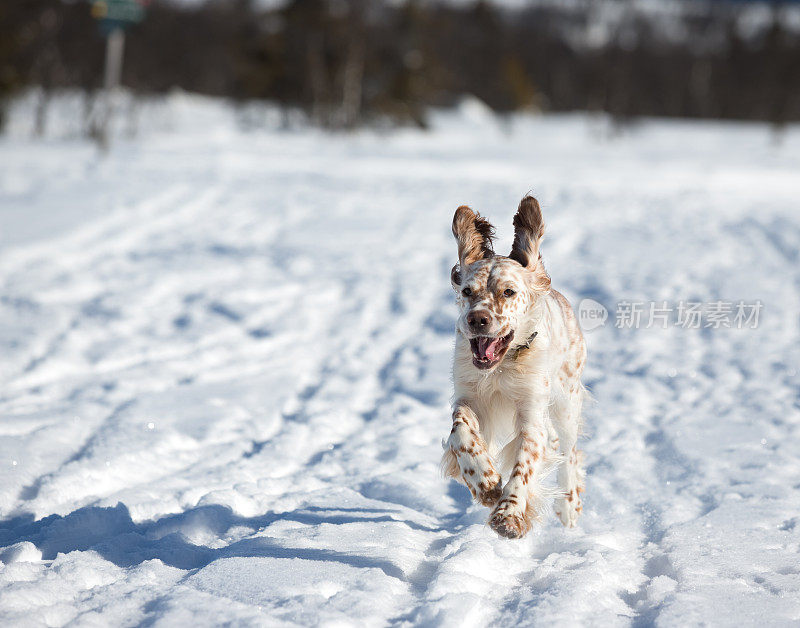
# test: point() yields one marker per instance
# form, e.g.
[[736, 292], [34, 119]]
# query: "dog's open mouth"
[[486, 352]]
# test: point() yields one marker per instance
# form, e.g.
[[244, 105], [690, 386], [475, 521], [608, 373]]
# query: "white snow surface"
[[225, 376]]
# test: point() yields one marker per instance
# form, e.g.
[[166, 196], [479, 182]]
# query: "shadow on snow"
[[111, 533]]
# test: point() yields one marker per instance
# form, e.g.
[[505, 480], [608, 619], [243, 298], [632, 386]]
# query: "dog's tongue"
[[487, 348]]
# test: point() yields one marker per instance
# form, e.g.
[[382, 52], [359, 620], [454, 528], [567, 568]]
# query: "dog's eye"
[[509, 292], [466, 292]]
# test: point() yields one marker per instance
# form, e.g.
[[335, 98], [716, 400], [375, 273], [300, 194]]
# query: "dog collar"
[[527, 345]]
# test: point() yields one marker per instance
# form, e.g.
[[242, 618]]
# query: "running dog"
[[519, 355]]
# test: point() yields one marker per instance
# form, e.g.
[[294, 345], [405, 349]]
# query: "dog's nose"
[[478, 320]]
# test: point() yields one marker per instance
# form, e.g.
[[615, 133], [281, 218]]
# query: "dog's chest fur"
[[537, 370]]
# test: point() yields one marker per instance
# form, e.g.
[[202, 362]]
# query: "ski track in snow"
[[225, 378]]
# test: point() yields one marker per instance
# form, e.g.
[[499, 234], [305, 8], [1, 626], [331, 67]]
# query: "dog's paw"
[[508, 521], [569, 507], [483, 481], [490, 490]]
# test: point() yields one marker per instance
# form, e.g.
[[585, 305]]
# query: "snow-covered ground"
[[225, 376]]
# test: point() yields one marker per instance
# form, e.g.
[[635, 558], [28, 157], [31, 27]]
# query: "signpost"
[[115, 17]]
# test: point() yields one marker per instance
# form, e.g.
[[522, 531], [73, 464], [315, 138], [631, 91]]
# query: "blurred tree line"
[[345, 61]]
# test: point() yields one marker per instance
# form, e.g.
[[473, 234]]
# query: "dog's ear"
[[528, 233], [474, 235]]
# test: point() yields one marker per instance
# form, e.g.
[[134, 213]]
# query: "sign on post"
[[115, 17], [115, 14]]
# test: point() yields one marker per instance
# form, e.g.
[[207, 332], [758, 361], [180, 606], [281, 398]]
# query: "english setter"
[[517, 366]]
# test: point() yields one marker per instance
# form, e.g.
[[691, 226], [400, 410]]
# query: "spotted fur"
[[522, 416]]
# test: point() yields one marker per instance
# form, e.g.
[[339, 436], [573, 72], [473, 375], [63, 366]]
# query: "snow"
[[225, 375]]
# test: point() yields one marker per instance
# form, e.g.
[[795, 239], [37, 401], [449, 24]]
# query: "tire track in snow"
[[31, 491], [79, 253]]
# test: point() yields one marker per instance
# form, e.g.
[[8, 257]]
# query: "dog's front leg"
[[467, 459], [516, 511]]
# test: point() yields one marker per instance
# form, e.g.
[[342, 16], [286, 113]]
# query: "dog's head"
[[497, 293]]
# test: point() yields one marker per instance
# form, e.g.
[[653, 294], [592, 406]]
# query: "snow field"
[[225, 376]]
